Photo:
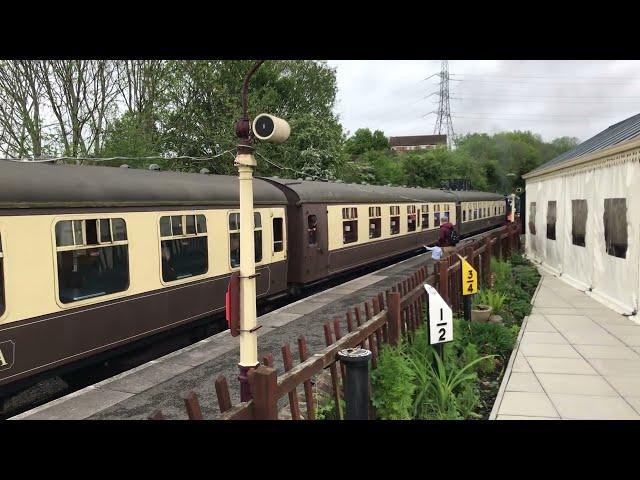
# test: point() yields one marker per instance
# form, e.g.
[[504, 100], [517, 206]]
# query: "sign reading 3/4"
[[440, 318], [469, 278]]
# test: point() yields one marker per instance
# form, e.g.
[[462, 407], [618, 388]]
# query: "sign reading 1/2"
[[440, 318], [469, 278]]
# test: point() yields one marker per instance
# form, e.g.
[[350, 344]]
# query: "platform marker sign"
[[469, 278], [440, 318]]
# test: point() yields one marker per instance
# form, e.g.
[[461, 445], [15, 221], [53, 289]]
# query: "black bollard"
[[356, 388], [466, 302]]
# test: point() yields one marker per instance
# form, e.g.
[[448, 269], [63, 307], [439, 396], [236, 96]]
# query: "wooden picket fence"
[[384, 319]]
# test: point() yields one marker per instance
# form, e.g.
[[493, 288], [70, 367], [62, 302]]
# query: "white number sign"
[[440, 318]]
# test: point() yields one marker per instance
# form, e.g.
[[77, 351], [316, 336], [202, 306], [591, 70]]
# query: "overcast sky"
[[553, 98]]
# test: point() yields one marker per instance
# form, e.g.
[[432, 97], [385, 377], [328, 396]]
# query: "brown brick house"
[[417, 142]]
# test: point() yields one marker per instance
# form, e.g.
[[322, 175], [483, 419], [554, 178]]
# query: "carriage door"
[[316, 242]]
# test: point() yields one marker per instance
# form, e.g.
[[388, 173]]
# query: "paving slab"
[[607, 351], [576, 384], [587, 407], [528, 404], [524, 382], [584, 357]]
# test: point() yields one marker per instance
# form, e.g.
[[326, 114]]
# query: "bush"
[[502, 272], [526, 277], [392, 385], [492, 338], [491, 298]]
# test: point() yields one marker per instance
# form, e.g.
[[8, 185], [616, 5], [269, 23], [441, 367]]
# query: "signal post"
[[244, 323]]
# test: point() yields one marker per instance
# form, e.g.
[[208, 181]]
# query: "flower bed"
[[413, 382]]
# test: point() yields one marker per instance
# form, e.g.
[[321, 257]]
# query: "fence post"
[[264, 383], [393, 317], [487, 265], [443, 278]]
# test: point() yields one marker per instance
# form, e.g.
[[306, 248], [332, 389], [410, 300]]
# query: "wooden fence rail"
[[388, 317]]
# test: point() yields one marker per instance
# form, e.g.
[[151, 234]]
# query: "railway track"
[[54, 387]]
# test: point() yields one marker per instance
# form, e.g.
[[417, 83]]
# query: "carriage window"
[[257, 236], [495, 211], [475, 211], [464, 215], [445, 214], [375, 222], [395, 219], [579, 222], [349, 225], [436, 215], [411, 218], [425, 216], [615, 226], [2, 306], [532, 218], [183, 246], [92, 261], [312, 229], [234, 238], [551, 220], [278, 242]]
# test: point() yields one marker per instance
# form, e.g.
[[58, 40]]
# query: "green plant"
[[492, 338], [327, 410], [526, 277], [502, 273], [438, 386], [392, 385], [491, 298]]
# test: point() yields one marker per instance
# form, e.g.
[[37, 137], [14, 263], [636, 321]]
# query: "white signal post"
[[248, 337], [246, 162], [274, 130]]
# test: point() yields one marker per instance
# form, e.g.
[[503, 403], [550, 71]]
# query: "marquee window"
[[375, 222], [578, 222], [349, 225], [93, 258], [2, 303], [183, 246], [615, 226], [532, 218], [551, 220], [411, 218], [425, 216], [395, 219], [278, 238]]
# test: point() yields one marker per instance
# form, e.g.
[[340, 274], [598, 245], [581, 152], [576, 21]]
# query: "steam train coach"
[[336, 227], [96, 259]]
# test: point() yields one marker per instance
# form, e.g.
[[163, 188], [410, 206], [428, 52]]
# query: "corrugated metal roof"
[[617, 133], [35, 185]]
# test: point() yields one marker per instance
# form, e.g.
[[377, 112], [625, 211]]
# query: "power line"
[[536, 76]]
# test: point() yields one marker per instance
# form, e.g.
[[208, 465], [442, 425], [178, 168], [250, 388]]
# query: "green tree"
[[364, 141]]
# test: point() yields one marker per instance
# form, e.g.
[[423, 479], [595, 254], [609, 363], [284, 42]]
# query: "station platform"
[[162, 383]]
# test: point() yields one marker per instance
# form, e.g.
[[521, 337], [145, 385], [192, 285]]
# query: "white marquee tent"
[[583, 216]]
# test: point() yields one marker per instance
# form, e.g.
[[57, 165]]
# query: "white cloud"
[[553, 98]]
